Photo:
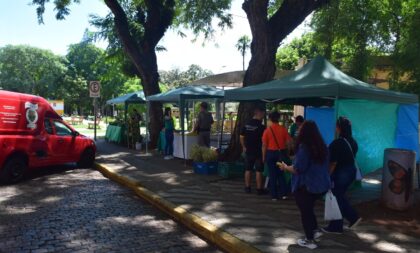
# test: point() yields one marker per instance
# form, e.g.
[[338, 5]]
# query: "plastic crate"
[[208, 168], [231, 169]]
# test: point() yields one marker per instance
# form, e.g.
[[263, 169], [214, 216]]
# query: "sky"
[[19, 25]]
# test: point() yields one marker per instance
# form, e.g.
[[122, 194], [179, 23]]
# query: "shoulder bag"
[[359, 176]]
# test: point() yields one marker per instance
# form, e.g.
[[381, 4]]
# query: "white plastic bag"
[[359, 176], [332, 211]]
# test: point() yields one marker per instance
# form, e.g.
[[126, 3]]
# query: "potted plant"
[[204, 160]]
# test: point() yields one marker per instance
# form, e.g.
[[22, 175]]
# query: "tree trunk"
[[267, 33], [150, 83]]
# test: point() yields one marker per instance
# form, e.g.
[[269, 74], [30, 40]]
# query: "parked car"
[[33, 135]]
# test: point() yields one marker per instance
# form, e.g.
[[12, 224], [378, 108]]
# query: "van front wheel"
[[86, 159], [13, 171]]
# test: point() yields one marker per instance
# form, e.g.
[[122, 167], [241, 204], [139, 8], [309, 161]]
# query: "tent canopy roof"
[[130, 98], [317, 79], [188, 92]]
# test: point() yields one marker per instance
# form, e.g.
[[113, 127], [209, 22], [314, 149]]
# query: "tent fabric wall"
[[407, 135], [324, 117], [374, 126]]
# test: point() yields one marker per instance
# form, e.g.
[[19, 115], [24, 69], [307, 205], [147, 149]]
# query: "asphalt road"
[[78, 210]]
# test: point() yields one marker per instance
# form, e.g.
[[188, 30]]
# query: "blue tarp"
[[407, 135], [374, 125], [324, 117]]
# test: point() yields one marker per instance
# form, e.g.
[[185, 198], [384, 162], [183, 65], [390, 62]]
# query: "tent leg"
[[147, 127], [222, 126]]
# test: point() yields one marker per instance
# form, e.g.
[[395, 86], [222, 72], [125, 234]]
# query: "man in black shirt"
[[251, 135]]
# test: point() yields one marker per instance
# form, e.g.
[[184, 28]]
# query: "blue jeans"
[[277, 183], [169, 145], [342, 180]]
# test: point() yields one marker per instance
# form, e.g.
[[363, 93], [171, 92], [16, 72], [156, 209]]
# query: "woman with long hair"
[[169, 134], [310, 178], [343, 171], [274, 145]]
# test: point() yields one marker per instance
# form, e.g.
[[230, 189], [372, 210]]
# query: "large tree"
[[270, 23], [32, 70], [176, 78], [141, 24], [92, 63]]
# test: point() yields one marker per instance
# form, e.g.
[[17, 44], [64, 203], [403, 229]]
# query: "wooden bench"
[[91, 124], [76, 120]]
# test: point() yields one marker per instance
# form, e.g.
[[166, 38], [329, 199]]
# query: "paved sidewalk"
[[269, 226]]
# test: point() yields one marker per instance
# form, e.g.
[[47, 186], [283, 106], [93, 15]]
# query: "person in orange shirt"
[[275, 142]]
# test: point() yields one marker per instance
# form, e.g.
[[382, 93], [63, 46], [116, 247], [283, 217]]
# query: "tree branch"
[[290, 15], [122, 26], [160, 14], [256, 12]]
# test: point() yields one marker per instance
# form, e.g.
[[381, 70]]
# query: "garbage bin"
[[398, 178]]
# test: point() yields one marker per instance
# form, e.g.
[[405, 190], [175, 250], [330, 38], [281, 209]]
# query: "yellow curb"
[[210, 232]]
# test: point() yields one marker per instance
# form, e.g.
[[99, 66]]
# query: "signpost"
[[94, 92]]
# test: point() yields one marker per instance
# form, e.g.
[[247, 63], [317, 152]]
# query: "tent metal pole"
[[222, 125], [147, 126], [182, 108]]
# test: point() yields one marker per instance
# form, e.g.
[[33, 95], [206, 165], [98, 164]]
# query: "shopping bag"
[[332, 211], [359, 176]]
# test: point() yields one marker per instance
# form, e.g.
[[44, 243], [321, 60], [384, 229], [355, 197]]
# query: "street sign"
[[94, 89]]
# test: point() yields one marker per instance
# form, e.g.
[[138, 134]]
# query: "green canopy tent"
[[377, 114], [318, 79], [127, 99], [181, 95], [130, 98]]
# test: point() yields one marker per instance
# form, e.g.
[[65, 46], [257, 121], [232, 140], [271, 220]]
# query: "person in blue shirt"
[[169, 134], [310, 178]]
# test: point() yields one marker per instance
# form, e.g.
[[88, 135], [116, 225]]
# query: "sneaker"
[[310, 244], [166, 157], [317, 234], [274, 199], [354, 224], [247, 189], [329, 231]]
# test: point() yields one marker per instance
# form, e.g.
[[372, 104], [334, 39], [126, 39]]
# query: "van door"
[[63, 143]]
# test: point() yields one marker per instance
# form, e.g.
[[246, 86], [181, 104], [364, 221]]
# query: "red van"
[[33, 135]]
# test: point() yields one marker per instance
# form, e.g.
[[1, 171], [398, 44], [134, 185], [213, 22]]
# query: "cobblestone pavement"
[[78, 210]]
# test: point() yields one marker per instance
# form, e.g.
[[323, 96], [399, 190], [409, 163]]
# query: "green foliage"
[[176, 78], [91, 63], [203, 154], [351, 32], [209, 155], [32, 70], [243, 44], [288, 55], [196, 153]]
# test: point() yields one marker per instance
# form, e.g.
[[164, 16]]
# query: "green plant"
[[196, 153], [209, 155]]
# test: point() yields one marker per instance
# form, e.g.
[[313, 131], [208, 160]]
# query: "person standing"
[[343, 170], [169, 134], [310, 178], [275, 141], [203, 125], [250, 138], [294, 128]]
